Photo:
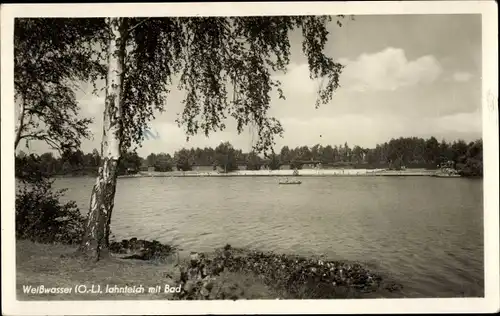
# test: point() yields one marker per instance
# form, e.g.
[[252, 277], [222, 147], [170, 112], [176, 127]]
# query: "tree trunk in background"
[[95, 242]]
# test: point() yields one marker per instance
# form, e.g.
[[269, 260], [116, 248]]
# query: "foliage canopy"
[[205, 55]]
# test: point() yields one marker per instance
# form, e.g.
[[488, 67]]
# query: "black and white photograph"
[[280, 157]]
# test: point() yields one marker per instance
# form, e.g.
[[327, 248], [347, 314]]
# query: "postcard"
[[235, 158]]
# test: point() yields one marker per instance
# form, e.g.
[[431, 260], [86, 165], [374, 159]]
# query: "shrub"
[[143, 249], [291, 277], [472, 168], [40, 216]]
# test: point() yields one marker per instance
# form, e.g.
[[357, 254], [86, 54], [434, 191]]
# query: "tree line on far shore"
[[396, 154]]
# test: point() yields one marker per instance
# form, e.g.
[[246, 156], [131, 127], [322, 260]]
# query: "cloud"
[[462, 76], [460, 122], [297, 80], [388, 70]]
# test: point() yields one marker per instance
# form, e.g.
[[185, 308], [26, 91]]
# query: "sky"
[[404, 76]]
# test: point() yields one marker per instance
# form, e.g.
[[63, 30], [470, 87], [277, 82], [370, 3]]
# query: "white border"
[[490, 303]]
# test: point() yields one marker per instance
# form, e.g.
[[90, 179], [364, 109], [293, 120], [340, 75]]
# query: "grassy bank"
[[246, 275], [54, 265]]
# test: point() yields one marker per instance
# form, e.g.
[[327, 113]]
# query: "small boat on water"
[[286, 181], [290, 182]]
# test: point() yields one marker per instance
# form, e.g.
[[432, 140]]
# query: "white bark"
[[113, 91], [95, 242]]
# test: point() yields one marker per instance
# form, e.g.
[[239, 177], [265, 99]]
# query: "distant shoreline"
[[289, 173]]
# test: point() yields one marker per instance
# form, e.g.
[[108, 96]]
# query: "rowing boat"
[[290, 182]]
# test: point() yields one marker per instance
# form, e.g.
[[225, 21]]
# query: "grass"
[[244, 275], [53, 265]]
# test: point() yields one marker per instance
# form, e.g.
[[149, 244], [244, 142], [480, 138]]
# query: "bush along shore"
[[291, 277], [142, 249]]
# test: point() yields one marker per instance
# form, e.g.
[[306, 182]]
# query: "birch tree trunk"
[[95, 242]]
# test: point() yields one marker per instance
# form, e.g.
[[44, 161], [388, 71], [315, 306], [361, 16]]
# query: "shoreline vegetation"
[[225, 273], [402, 156], [287, 173]]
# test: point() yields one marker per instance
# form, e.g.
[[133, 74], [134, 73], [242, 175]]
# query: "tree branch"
[[39, 135], [20, 127], [133, 27]]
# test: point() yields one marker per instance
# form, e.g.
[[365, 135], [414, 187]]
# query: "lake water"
[[426, 232]]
